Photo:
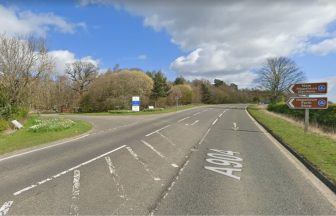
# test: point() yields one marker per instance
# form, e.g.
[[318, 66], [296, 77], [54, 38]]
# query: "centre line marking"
[[214, 122], [74, 209], [153, 149], [183, 119], [195, 122], [157, 130], [66, 171], [5, 208]]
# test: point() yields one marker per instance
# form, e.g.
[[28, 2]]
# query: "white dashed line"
[[157, 130], [206, 134], [181, 120], [214, 122], [153, 149], [5, 208], [74, 209], [66, 171], [195, 122], [195, 114]]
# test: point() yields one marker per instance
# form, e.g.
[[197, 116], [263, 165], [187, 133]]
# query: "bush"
[[52, 124], [3, 125], [325, 118]]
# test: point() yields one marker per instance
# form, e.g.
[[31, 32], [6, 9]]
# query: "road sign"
[[308, 103], [135, 103], [309, 88]]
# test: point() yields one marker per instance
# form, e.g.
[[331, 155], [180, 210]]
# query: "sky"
[[226, 40]]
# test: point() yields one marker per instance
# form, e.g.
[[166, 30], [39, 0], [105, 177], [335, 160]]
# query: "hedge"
[[325, 118]]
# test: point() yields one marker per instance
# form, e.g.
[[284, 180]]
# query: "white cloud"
[[222, 38], [63, 57], [16, 22], [324, 47]]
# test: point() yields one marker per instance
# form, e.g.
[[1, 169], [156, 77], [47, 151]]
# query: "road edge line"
[[308, 171]]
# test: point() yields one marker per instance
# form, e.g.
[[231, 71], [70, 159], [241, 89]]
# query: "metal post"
[[306, 120]]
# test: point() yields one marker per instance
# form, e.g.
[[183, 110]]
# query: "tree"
[[22, 61], [218, 82], [179, 80], [115, 91], [160, 88], [277, 74], [206, 96], [82, 75]]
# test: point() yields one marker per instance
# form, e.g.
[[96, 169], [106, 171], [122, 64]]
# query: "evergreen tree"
[[206, 95], [160, 87], [179, 80]]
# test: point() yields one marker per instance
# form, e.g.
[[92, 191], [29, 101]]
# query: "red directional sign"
[[309, 88], [308, 103]]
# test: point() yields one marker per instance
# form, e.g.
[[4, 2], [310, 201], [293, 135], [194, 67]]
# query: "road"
[[206, 160]]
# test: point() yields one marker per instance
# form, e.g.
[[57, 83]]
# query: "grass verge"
[[142, 112], [319, 150], [24, 138]]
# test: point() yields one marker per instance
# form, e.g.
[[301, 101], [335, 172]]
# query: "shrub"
[[52, 124], [3, 125]]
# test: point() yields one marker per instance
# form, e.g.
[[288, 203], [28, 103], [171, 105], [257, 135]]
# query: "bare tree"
[[82, 75], [277, 74], [22, 61]]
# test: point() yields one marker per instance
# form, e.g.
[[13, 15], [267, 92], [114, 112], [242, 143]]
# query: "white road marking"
[[43, 148], [195, 122], [174, 165], [206, 134], [136, 157], [195, 114], [163, 136], [157, 130], [224, 171], [317, 183], [5, 208], [214, 122], [153, 149], [116, 178], [224, 159], [235, 127], [66, 171], [74, 208], [183, 119]]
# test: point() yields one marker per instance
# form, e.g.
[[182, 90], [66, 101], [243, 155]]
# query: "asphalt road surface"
[[206, 160]]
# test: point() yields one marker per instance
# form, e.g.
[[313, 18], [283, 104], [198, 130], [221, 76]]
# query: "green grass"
[[318, 149], [142, 112], [23, 138]]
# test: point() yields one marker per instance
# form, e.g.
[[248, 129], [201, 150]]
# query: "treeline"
[[29, 82]]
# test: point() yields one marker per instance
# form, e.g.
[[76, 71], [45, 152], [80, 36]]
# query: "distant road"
[[206, 160]]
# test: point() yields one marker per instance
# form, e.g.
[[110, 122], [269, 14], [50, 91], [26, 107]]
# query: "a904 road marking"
[[226, 162]]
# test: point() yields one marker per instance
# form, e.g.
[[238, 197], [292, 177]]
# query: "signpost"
[[306, 102], [135, 103], [309, 88]]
